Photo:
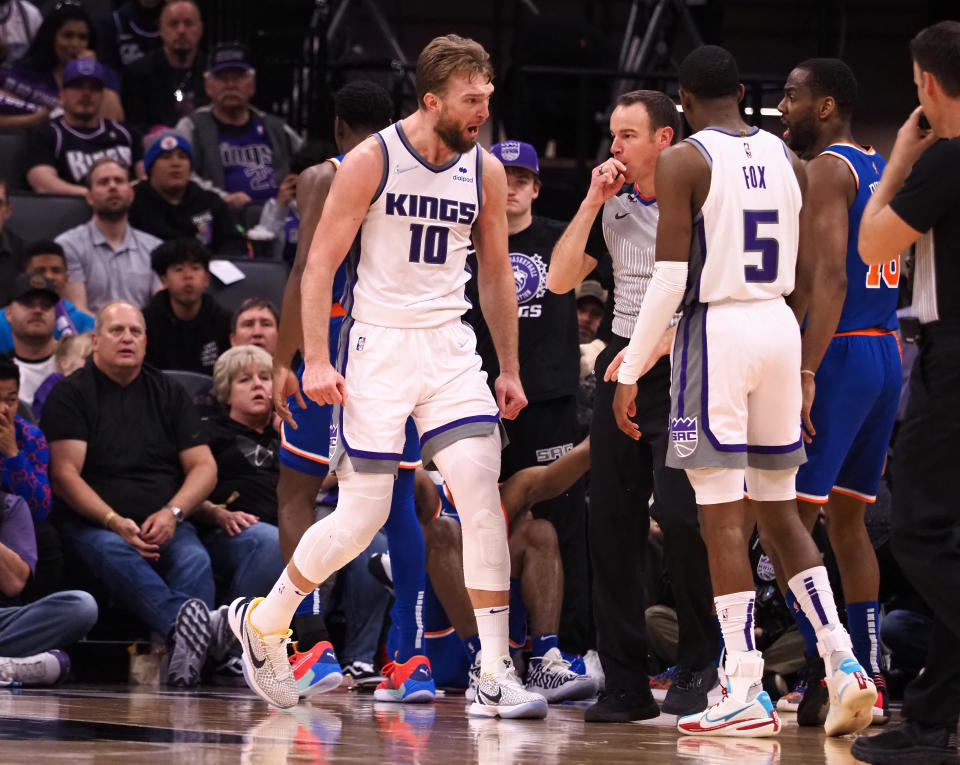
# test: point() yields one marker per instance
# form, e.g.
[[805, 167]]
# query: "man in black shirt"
[[186, 328], [918, 200], [549, 370], [170, 205], [61, 153], [167, 83], [128, 461], [129, 33]]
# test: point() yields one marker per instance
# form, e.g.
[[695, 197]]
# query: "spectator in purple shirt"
[[23, 449], [32, 634]]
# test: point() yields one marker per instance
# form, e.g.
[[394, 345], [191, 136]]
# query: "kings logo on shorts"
[[683, 433]]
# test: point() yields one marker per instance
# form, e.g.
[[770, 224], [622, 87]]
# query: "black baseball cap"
[[228, 55], [34, 284]]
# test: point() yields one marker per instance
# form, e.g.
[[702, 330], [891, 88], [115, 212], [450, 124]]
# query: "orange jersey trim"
[[439, 633], [337, 310], [874, 333]]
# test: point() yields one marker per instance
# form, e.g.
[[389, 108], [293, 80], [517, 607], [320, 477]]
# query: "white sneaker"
[[266, 667], [38, 670], [591, 660], [852, 696], [733, 717], [550, 676], [473, 678], [501, 694]]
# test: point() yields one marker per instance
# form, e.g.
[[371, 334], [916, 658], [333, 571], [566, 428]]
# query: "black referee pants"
[[624, 474], [926, 517], [539, 435]]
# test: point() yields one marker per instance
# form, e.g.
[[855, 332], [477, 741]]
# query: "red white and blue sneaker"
[[881, 707], [407, 683], [852, 697], [317, 670], [733, 717]]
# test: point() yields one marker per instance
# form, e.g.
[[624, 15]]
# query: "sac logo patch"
[[683, 434]]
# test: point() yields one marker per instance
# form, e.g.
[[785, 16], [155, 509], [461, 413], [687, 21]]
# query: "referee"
[[918, 200], [624, 472]]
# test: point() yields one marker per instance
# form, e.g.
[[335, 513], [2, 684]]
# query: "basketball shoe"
[[852, 696], [790, 701], [266, 667], [189, 642], [317, 670], [38, 670], [734, 717], [501, 694], [881, 707], [362, 674], [409, 683], [551, 676], [473, 678]]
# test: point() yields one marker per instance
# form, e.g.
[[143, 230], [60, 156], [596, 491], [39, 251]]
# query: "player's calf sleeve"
[[471, 467], [863, 623], [333, 542], [408, 562]]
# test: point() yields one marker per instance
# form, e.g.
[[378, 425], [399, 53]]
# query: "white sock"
[[735, 614], [273, 614], [493, 628], [815, 596]]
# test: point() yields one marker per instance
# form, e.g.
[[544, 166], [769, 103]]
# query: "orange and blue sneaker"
[[316, 670], [407, 683]]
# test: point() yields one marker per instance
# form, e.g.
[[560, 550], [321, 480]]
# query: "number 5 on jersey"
[[432, 246]]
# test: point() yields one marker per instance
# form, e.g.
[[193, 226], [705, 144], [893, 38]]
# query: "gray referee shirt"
[[629, 225], [108, 274]]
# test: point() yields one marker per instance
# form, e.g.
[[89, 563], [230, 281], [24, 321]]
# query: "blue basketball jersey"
[[871, 301], [340, 277]]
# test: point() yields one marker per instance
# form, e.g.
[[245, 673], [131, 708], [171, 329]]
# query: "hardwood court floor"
[[116, 724]]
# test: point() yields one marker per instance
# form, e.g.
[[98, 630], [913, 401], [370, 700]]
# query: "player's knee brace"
[[471, 468], [333, 542], [715, 486], [771, 485]]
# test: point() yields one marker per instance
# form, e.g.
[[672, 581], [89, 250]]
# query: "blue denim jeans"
[[907, 635], [56, 621], [249, 563], [153, 592]]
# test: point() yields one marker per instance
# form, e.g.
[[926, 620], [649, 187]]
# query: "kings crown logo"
[[683, 433]]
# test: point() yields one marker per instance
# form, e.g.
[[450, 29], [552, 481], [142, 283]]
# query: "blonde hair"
[[79, 346], [445, 56], [232, 362]]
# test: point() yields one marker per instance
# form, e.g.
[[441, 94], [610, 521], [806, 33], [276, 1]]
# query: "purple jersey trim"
[[416, 155], [456, 424]]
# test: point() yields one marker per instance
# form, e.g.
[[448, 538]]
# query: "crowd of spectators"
[[163, 515]]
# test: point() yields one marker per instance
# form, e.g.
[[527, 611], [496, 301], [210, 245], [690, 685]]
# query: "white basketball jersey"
[[411, 268], [745, 244]]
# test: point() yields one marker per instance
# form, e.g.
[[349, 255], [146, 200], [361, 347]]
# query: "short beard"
[[112, 216], [454, 138]]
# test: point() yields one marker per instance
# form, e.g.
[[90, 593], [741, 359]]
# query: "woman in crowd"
[[30, 86]]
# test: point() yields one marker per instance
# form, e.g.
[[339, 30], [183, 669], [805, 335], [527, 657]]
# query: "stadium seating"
[[262, 278], [12, 149], [45, 216]]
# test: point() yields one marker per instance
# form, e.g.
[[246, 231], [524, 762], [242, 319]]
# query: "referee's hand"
[[625, 407]]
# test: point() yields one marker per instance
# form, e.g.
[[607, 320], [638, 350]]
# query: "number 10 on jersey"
[[430, 246]]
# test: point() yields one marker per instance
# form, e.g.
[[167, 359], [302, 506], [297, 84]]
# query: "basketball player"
[[730, 199], [360, 108], [850, 361], [536, 576], [625, 472], [417, 192]]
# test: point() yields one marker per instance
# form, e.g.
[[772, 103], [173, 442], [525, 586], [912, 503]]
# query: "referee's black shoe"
[[622, 707], [910, 742]]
